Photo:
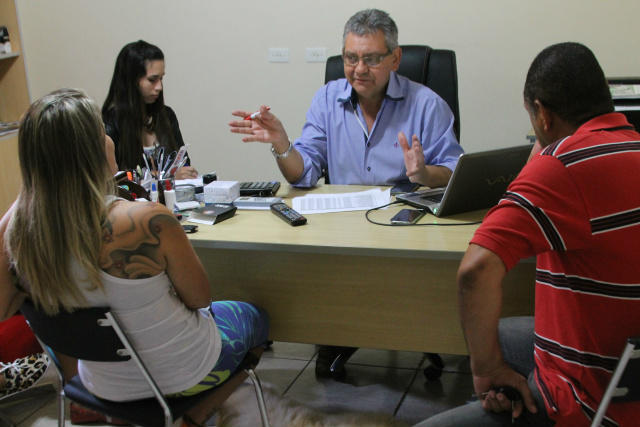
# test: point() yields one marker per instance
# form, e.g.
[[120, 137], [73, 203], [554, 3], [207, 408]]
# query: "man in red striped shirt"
[[576, 206]]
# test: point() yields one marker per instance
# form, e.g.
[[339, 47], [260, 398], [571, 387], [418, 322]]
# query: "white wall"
[[216, 57]]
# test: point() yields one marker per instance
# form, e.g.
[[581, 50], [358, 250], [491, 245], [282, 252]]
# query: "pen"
[[512, 394], [146, 162], [177, 158], [154, 169], [256, 114], [170, 159], [181, 164], [174, 170]]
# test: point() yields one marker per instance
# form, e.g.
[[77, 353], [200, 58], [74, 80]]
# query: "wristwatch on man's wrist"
[[283, 155]]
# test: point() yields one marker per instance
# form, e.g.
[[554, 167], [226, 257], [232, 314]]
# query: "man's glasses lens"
[[369, 60]]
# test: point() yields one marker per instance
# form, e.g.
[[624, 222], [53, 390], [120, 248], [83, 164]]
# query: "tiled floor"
[[377, 380]]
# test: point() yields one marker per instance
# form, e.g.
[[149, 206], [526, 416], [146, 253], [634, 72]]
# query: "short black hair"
[[567, 79]]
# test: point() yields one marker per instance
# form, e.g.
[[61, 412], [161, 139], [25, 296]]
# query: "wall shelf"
[[8, 55], [14, 101]]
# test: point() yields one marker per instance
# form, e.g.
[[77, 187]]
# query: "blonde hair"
[[62, 207]]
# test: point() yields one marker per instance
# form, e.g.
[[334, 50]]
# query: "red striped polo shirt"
[[576, 205]]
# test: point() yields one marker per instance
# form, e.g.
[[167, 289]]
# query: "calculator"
[[259, 188]]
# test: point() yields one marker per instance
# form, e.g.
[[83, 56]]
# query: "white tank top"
[[178, 345]]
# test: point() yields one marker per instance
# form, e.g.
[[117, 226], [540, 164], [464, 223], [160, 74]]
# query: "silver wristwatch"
[[283, 155]]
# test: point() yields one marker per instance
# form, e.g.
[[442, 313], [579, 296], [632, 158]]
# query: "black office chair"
[[95, 334], [625, 381], [436, 69]]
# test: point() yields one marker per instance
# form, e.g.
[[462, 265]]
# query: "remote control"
[[511, 393], [287, 214], [255, 202]]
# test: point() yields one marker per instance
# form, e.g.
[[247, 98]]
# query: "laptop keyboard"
[[437, 198]]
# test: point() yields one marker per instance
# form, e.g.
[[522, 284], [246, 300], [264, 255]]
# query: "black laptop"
[[478, 182]]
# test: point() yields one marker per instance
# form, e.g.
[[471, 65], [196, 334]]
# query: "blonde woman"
[[70, 243]]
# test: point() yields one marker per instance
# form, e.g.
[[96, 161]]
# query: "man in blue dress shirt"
[[357, 127]]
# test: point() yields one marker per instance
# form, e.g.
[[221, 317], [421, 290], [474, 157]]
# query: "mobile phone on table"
[[407, 216], [404, 187], [189, 228]]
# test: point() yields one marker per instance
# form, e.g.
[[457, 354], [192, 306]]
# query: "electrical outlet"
[[316, 54], [279, 54]]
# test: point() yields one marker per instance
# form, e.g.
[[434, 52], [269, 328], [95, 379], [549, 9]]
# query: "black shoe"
[[326, 355], [331, 361], [323, 368]]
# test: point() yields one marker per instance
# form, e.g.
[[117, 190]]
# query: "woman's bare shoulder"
[[125, 216], [136, 238], [138, 210]]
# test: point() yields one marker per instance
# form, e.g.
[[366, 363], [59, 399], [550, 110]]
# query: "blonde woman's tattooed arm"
[[143, 240]]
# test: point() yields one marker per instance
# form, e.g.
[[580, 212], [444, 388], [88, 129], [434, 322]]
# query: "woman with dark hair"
[[134, 113], [67, 242]]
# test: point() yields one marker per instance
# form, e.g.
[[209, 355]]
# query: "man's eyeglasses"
[[372, 60]]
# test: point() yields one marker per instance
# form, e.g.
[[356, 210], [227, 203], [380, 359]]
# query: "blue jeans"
[[516, 339]]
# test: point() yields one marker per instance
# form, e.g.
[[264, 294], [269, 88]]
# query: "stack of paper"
[[625, 90], [322, 203]]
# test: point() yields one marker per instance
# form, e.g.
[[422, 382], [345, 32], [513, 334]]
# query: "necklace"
[[149, 123]]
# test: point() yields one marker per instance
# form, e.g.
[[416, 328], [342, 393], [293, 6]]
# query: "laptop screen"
[[478, 182]]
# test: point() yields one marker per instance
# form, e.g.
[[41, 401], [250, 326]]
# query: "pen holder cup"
[[162, 185], [130, 190], [185, 193]]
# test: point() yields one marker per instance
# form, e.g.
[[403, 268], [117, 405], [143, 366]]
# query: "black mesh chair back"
[[94, 334], [102, 342]]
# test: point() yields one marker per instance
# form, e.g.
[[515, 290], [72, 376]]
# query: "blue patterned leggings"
[[242, 327]]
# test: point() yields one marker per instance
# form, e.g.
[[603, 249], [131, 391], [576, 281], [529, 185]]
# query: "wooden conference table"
[[340, 280]]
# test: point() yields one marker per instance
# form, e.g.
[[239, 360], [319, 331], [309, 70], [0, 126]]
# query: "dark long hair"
[[125, 99]]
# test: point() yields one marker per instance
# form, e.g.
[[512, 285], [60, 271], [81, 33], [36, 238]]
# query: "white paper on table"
[[199, 221], [194, 181], [322, 203], [183, 206], [253, 208]]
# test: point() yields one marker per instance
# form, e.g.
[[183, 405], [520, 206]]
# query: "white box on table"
[[221, 191]]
